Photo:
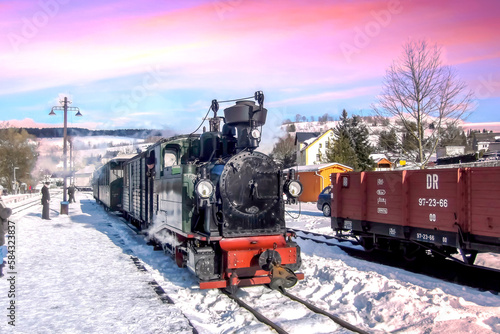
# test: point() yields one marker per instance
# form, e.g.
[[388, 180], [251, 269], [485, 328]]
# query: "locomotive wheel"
[[327, 212]]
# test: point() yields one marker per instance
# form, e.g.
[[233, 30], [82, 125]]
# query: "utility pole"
[[71, 163], [65, 108], [14, 184]]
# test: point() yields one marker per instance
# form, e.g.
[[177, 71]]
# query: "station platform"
[[74, 274]]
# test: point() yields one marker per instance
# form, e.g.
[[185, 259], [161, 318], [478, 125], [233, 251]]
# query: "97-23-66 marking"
[[433, 202]]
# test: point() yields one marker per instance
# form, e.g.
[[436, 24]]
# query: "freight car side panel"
[[485, 201], [384, 203], [433, 201], [346, 201]]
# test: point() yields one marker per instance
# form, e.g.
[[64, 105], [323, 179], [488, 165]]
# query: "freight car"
[[215, 203], [445, 211]]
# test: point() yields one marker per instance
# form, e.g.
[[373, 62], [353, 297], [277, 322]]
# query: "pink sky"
[[314, 53]]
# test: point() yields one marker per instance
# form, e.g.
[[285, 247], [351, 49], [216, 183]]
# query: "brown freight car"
[[444, 210]]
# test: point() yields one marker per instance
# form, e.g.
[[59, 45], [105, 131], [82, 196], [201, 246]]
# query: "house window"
[[320, 145]]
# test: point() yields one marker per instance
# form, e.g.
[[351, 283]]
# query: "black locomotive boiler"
[[215, 203]]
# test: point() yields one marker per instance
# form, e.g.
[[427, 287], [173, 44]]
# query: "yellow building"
[[316, 177], [311, 146]]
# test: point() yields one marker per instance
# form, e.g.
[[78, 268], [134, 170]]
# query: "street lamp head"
[[78, 114], [52, 113]]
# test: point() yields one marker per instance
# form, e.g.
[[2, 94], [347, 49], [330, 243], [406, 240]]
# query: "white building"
[[311, 146]]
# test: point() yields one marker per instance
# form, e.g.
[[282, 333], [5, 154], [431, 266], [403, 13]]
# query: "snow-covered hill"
[[84, 151]]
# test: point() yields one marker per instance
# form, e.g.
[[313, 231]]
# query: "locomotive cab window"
[[170, 159]]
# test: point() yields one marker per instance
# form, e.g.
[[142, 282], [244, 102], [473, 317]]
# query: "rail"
[[310, 306]]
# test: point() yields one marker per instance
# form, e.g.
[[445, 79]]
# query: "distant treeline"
[[79, 132]]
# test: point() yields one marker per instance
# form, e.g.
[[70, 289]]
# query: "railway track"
[[299, 300], [441, 267], [262, 318], [449, 271], [339, 241], [20, 206]]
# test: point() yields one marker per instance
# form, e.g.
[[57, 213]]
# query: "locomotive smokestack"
[[247, 117]]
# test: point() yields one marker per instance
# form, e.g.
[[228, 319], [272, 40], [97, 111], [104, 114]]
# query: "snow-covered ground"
[[74, 274]]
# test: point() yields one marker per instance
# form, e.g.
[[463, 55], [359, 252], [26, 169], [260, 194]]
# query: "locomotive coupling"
[[269, 259], [281, 277]]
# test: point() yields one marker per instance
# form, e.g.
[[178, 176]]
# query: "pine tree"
[[452, 135], [362, 147], [388, 141], [409, 142], [340, 150], [350, 146]]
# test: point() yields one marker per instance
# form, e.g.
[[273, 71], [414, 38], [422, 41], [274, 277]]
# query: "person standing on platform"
[[71, 194], [45, 201], [5, 213]]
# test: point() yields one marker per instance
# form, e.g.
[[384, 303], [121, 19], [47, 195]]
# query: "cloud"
[[290, 49], [327, 96]]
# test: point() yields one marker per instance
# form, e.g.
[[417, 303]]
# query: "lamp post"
[[65, 108], [71, 162], [14, 186]]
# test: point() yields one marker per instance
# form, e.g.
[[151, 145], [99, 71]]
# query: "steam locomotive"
[[212, 200]]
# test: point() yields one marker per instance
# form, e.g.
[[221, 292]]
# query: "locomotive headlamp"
[[293, 188], [204, 189], [255, 133]]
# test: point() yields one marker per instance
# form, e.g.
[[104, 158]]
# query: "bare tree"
[[419, 90], [18, 152]]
